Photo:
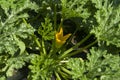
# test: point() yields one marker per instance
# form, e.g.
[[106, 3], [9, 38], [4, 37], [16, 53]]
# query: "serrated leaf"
[[20, 44], [77, 68], [108, 18], [74, 8], [102, 64], [46, 30]]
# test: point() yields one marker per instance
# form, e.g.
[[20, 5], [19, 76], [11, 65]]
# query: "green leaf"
[[95, 58], [2, 78], [74, 8], [103, 66], [20, 44], [77, 68], [46, 30], [11, 24], [13, 7], [108, 19], [42, 67], [17, 63]]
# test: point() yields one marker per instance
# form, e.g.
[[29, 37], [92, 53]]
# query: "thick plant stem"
[[34, 37], [81, 49], [37, 41], [64, 75], [53, 51], [38, 44], [43, 47], [65, 70], [57, 75], [72, 48], [27, 25]]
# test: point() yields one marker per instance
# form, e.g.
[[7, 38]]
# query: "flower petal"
[[66, 37], [60, 39], [61, 31]]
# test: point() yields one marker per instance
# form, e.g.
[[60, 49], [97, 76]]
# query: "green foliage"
[[12, 27], [27, 39], [103, 65], [12, 32], [11, 7], [9, 65], [77, 67], [2, 78], [42, 68], [108, 19], [99, 66], [74, 8], [17, 63], [46, 30]]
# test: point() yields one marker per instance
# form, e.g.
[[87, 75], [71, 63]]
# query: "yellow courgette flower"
[[60, 39]]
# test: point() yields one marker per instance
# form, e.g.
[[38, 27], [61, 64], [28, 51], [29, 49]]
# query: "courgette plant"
[[60, 39]]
